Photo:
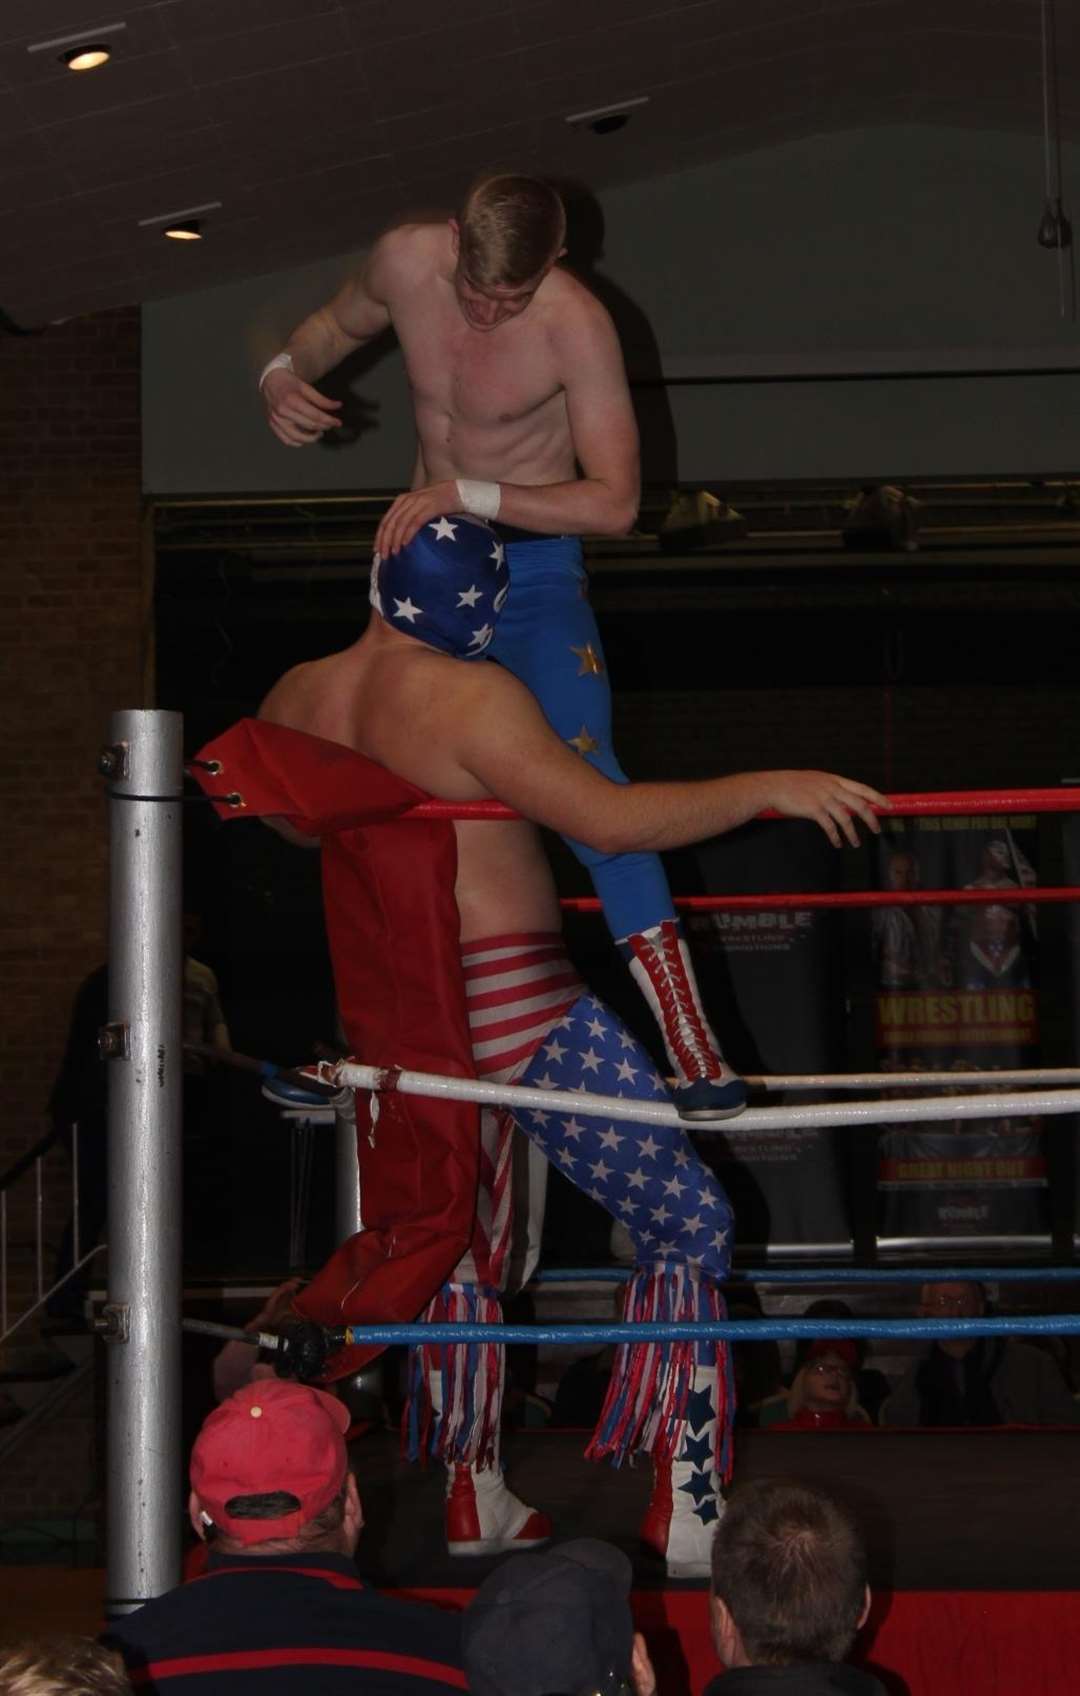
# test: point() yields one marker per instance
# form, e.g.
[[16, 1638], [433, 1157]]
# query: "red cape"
[[392, 922]]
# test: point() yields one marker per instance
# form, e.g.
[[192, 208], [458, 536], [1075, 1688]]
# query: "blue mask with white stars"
[[446, 587]]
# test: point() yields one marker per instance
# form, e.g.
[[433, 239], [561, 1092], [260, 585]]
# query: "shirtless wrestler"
[[523, 416], [402, 696]]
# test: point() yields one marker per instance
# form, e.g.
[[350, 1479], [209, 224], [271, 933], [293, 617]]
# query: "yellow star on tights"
[[591, 663], [583, 742]]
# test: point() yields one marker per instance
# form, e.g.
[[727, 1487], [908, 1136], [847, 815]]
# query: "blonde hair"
[[511, 229], [62, 1666]]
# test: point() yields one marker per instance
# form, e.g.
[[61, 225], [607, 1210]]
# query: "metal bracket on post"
[[114, 1041], [114, 1322], [113, 761]]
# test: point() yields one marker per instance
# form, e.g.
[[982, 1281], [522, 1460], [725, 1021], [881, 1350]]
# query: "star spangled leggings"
[[547, 637], [531, 1023]]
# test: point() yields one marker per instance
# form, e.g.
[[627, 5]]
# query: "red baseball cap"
[[272, 1435]]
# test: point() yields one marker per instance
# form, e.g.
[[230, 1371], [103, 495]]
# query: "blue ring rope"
[[729, 1330], [836, 1275]]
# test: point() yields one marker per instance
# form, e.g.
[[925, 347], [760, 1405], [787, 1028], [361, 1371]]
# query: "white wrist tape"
[[280, 362], [481, 499]]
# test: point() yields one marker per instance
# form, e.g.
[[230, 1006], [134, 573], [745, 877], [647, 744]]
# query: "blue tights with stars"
[[547, 637], [647, 1176]]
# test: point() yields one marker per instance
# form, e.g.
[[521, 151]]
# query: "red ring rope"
[[944, 802], [852, 898]]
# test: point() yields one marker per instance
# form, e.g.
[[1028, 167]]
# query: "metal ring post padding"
[[143, 1485]]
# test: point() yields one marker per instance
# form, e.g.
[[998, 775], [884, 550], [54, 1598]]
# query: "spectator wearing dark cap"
[[556, 1624], [823, 1396], [789, 1593], [280, 1608]]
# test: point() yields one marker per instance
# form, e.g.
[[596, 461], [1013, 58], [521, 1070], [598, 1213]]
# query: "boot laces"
[[683, 1020]]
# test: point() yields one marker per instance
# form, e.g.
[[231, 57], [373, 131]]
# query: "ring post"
[[143, 1042]]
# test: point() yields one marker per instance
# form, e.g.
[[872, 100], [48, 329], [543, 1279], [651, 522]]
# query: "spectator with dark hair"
[[789, 1593], [272, 1491], [977, 1380], [62, 1666], [555, 1623]]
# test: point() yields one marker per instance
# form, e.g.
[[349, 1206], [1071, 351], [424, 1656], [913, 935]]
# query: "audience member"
[[823, 1395], [789, 1593], [272, 1492], [977, 1380], [870, 1386], [237, 1363], [554, 1623], [62, 1666]]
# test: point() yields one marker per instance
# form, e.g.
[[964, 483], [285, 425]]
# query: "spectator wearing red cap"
[[823, 1396], [281, 1606]]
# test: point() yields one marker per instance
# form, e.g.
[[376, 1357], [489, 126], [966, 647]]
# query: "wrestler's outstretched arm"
[[505, 743], [295, 410]]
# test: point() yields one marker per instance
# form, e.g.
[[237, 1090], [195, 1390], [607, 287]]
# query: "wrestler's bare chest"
[[483, 380]]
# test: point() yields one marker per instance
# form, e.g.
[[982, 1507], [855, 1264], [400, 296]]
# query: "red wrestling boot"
[[705, 1086], [687, 1499], [484, 1517]]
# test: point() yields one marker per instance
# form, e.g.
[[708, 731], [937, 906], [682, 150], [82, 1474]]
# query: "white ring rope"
[[1062, 1076], [1017, 1104]]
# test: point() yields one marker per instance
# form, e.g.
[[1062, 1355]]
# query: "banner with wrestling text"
[[957, 989]]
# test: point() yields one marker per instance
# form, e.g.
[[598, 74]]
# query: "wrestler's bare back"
[[397, 703]]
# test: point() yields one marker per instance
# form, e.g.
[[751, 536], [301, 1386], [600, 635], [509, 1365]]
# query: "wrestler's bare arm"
[[603, 501], [296, 412], [506, 744]]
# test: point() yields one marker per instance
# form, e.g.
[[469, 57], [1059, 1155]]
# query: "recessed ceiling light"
[[87, 58], [604, 120], [84, 49], [186, 224]]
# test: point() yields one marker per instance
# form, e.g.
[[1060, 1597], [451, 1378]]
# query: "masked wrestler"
[[402, 696], [523, 417]]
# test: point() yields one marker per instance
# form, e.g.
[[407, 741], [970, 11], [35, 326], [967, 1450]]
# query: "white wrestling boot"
[[705, 1086], [484, 1517], [687, 1500]]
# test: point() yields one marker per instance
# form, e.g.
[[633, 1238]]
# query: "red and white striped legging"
[[517, 989]]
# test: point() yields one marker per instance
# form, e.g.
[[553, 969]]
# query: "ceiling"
[[313, 121]]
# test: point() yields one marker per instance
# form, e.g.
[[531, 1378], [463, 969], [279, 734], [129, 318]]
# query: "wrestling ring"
[[142, 1317]]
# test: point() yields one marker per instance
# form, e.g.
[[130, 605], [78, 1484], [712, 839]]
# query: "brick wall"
[[73, 635]]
